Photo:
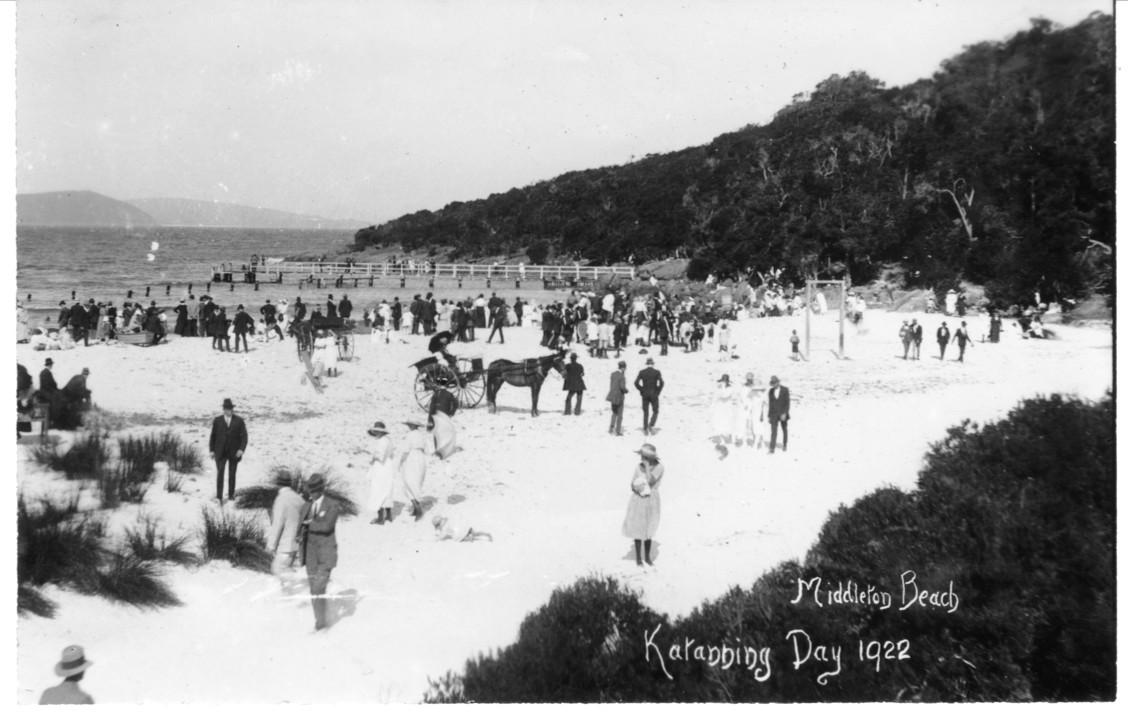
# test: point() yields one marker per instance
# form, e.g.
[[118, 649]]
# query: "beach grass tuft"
[[31, 601], [54, 548], [174, 481], [128, 578], [238, 539], [83, 459], [144, 452], [147, 542]]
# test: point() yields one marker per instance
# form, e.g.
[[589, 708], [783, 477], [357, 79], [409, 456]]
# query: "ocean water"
[[104, 263]]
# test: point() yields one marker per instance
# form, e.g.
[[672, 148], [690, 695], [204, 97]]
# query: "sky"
[[369, 109]]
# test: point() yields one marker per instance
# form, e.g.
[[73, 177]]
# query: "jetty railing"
[[273, 271]]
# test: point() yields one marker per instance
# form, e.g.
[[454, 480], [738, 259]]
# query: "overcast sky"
[[368, 109]]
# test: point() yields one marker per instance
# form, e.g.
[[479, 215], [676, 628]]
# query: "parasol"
[[439, 340]]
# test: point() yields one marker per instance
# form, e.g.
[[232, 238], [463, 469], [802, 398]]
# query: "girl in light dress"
[[324, 357], [753, 408], [381, 475], [644, 507]]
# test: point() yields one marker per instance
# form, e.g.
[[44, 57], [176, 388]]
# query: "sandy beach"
[[552, 490]]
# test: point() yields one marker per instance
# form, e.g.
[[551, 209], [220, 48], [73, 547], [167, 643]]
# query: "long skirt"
[[412, 473], [642, 517], [381, 481]]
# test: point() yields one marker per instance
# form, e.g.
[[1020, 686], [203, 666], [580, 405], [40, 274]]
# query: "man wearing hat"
[[779, 411], [227, 443], [615, 394], [47, 385], [649, 385], [574, 384], [71, 667], [243, 325], [319, 545], [285, 522]]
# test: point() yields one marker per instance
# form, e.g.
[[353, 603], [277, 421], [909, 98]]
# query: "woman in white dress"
[[324, 357], [381, 475], [414, 449], [725, 407], [752, 407]]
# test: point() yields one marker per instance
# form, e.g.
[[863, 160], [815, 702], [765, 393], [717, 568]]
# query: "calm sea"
[[103, 263]]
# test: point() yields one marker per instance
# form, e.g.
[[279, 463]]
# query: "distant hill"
[[77, 208], [189, 212]]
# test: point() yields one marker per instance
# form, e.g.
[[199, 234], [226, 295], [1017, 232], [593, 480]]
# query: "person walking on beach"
[[416, 446], [319, 546], [227, 443], [244, 324], [344, 310], [644, 507], [918, 338], [615, 394], [573, 384], [794, 339], [72, 667], [779, 411], [381, 475], [497, 320], [285, 524], [724, 410], [649, 385], [962, 339], [330, 307], [519, 310], [906, 336], [943, 335]]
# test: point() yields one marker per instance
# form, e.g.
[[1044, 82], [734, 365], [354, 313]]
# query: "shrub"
[[584, 645], [238, 539], [174, 481], [121, 484], [147, 543], [85, 457], [128, 578]]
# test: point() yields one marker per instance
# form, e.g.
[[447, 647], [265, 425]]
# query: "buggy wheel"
[[471, 386], [424, 390]]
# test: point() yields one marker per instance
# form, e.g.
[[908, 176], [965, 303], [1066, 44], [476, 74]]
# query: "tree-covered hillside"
[[1000, 169]]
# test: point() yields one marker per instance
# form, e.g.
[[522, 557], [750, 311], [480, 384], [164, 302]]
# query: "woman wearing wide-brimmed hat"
[[644, 508], [381, 474], [416, 446]]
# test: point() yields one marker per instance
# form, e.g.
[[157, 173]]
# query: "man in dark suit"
[[47, 385], [319, 545], [779, 411], [649, 385], [244, 324], [227, 443], [574, 384], [943, 335], [615, 396]]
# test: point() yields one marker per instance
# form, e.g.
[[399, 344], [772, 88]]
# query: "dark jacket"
[[943, 335], [618, 388], [649, 382], [574, 377], [779, 408], [319, 532], [47, 384], [226, 441], [244, 323]]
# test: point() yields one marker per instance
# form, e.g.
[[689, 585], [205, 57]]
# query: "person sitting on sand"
[[449, 529]]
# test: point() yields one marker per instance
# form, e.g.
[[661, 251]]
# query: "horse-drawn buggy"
[[339, 329], [465, 380]]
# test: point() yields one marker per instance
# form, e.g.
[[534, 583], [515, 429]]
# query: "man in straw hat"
[[319, 545], [71, 667], [227, 442]]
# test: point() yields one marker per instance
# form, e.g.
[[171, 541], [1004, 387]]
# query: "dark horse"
[[527, 373]]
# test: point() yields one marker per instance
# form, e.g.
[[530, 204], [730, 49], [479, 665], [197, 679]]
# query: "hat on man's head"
[[86, 371], [378, 428], [315, 483], [622, 364], [73, 661], [649, 451], [49, 362], [773, 380], [723, 379], [650, 361], [227, 404]]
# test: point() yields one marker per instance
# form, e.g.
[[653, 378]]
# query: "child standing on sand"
[[794, 345]]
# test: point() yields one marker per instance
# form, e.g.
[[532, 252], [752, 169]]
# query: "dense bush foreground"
[[1016, 519]]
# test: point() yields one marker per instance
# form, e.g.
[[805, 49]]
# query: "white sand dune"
[[552, 490]]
